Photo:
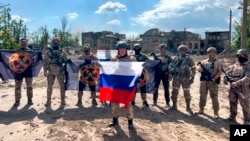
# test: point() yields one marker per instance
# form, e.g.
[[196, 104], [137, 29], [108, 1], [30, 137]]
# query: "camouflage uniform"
[[116, 106], [87, 56], [183, 70], [239, 89], [214, 66], [53, 66], [164, 75], [27, 74], [140, 58]]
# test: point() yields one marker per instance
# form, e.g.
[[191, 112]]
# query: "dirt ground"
[[89, 123]]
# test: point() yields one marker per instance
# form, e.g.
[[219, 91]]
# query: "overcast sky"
[[130, 17]]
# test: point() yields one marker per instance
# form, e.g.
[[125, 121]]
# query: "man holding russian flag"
[[118, 81]]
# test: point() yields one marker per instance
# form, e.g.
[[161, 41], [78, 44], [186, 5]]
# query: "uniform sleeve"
[[64, 57], [46, 60], [192, 66], [219, 69], [245, 80], [79, 57], [93, 57]]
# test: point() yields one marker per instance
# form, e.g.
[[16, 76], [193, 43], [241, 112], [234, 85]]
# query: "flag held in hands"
[[82, 75], [16, 64], [118, 81], [150, 77]]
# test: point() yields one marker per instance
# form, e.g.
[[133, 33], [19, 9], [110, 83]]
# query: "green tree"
[[236, 44], [10, 30]]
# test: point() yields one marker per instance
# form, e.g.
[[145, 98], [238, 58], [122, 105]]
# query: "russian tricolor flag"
[[118, 81]]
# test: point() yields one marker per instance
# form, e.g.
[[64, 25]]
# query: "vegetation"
[[236, 44], [11, 31]]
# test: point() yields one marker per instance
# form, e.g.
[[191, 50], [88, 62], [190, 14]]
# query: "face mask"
[[137, 51], [55, 46], [242, 59], [86, 51]]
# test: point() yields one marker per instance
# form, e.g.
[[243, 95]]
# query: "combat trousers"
[[51, 80], [81, 88], [18, 85], [143, 93], [243, 97], [165, 82], [213, 89], [176, 84], [116, 111]]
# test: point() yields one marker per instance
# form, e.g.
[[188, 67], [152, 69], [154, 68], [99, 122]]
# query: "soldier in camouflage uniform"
[[87, 56], [122, 56], [239, 87], [27, 74], [53, 65], [183, 71], [164, 73], [214, 66], [141, 58]]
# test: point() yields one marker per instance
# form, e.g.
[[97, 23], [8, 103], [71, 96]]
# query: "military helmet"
[[242, 51], [211, 49], [121, 44], [183, 48], [163, 46], [56, 39], [86, 47], [137, 46]]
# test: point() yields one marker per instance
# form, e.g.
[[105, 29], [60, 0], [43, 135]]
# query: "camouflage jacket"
[[54, 61], [124, 59], [183, 67], [240, 74], [212, 66], [165, 61]]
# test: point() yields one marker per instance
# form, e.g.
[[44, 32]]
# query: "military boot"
[[94, 102], [63, 98], [115, 122], [188, 109], [174, 107], [17, 103], [49, 93], [79, 95], [30, 101], [201, 111], [216, 115], [130, 124], [145, 103]]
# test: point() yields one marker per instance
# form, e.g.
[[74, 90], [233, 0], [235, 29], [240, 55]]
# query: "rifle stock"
[[206, 75]]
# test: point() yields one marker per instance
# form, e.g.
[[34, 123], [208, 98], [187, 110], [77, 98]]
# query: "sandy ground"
[[89, 123]]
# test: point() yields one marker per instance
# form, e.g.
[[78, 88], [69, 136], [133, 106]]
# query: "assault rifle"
[[154, 55], [228, 76], [207, 75]]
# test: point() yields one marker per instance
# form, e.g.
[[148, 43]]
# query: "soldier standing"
[[183, 71], [53, 66], [27, 74], [122, 56], [239, 77], [87, 56], [164, 73], [141, 58], [213, 67]]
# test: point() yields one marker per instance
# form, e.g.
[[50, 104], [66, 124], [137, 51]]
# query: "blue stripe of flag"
[[117, 82]]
